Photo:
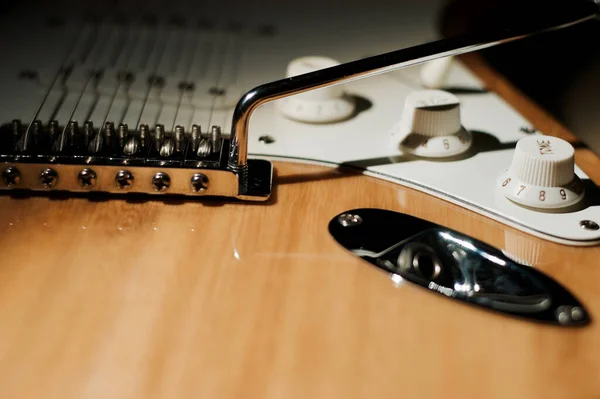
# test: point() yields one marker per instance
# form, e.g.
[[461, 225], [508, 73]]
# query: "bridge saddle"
[[117, 159]]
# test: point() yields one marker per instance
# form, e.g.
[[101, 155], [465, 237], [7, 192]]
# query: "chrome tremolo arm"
[[572, 13]]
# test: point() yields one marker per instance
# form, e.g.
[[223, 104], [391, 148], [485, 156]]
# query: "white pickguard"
[[236, 60]]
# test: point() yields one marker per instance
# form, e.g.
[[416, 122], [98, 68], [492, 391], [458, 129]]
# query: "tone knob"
[[324, 105], [542, 174], [431, 126]]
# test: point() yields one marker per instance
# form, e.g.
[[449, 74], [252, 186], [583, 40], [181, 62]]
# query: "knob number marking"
[[521, 188], [542, 196], [545, 147], [435, 100]]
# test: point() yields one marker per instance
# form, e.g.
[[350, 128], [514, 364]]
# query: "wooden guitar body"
[[157, 298], [154, 299]]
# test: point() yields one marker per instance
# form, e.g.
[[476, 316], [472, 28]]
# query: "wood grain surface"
[[155, 299], [118, 299]]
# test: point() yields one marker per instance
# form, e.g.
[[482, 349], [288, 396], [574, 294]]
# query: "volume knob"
[[542, 174], [431, 126], [324, 105]]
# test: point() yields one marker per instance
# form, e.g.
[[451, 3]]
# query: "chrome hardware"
[[347, 219], [109, 132], [49, 178], [456, 266], [124, 179], [16, 127], [179, 138], [589, 225], [88, 133], [131, 146], [387, 62], [159, 135], [123, 133], [161, 181], [87, 178], [53, 129], [68, 150], [144, 151], [11, 176], [199, 182], [167, 147], [266, 139], [196, 136], [215, 138], [204, 148], [144, 135]]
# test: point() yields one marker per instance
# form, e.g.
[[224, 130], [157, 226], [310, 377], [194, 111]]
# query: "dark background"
[[560, 70]]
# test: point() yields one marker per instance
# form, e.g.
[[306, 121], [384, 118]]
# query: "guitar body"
[[148, 298]]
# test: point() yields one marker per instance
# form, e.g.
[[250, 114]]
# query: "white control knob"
[[430, 126], [324, 105], [434, 74], [542, 174]]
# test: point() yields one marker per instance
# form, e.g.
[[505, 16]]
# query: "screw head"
[[11, 176], [589, 225], [527, 129], [577, 313], [348, 219], [124, 179], [49, 178], [266, 139], [199, 182], [161, 181], [87, 178]]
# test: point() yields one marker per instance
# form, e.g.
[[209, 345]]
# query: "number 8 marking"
[[542, 195], [563, 194]]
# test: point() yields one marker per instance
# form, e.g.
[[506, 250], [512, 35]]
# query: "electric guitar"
[[173, 225]]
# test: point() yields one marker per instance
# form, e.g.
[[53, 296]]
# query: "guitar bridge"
[[118, 160]]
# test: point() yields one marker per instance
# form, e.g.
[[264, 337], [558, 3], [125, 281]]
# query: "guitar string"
[[151, 82], [187, 74], [60, 73], [113, 59], [96, 99], [160, 61], [65, 89], [127, 78], [235, 48], [118, 87], [221, 67], [139, 8], [92, 75]]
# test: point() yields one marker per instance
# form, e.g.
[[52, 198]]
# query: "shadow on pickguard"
[[361, 104], [482, 142]]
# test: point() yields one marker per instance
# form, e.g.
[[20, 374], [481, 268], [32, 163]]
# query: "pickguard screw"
[[589, 225], [527, 130], [348, 219], [266, 139]]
